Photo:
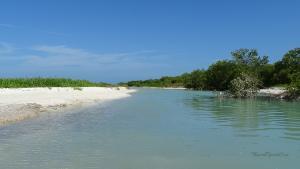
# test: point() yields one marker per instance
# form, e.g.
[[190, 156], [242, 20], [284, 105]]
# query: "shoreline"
[[18, 104], [276, 92], [167, 88]]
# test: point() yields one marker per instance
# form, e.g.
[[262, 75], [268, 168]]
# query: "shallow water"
[[159, 129]]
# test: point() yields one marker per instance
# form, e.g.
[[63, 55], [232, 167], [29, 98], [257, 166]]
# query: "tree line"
[[245, 64]]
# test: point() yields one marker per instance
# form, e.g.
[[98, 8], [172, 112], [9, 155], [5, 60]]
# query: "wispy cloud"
[[25, 28], [6, 48], [7, 25], [61, 55], [66, 56], [61, 60], [55, 33], [60, 49]]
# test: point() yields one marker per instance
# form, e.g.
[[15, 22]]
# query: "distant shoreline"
[[22, 103], [272, 92]]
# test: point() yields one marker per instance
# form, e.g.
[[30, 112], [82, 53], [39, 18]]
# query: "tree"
[[289, 65], [291, 60], [220, 74], [196, 80], [249, 62], [294, 87], [249, 57], [244, 86], [265, 74]]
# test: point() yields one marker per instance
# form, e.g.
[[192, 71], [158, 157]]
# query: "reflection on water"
[[159, 129], [248, 115]]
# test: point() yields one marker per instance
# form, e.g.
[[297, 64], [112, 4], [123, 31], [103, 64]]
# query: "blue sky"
[[122, 40]]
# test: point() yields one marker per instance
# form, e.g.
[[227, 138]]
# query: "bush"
[[288, 66], [266, 73], [220, 74], [196, 80], [244, 86], [294, 87]]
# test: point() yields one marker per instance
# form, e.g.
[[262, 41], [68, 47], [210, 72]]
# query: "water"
[[159, 129]]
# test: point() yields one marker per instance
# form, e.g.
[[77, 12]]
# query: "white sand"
[[22, 103], [175, 88], [168, 88], [272, 91]]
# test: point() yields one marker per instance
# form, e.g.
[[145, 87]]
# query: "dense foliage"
[[294, 87], [46, 82], [219, 76], [195, 80], [244, 85], [165, 81], [289, 65]]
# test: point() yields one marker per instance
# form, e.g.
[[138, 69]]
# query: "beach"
[[21, 103], [277, 92]]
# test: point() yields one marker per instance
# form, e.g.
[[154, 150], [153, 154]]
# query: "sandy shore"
[[168, 88], [23, 103], [272, 91]]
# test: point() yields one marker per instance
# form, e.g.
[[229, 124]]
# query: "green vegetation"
[[244, 86], [245, 62], [220, 74], [195, 80], [289, 65], [165, 81], [294, 87], [47, 82]]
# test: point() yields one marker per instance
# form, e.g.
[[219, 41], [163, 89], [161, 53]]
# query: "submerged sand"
[[23, 103]]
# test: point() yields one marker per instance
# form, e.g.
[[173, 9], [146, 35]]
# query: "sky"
[[114, 41]]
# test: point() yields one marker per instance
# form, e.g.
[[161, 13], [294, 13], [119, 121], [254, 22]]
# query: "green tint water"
[[159, 129]]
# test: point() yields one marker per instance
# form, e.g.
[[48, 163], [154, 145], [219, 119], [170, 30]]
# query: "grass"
[[47, 82]]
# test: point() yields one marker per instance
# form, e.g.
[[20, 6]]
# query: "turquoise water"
[[159, 129]]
